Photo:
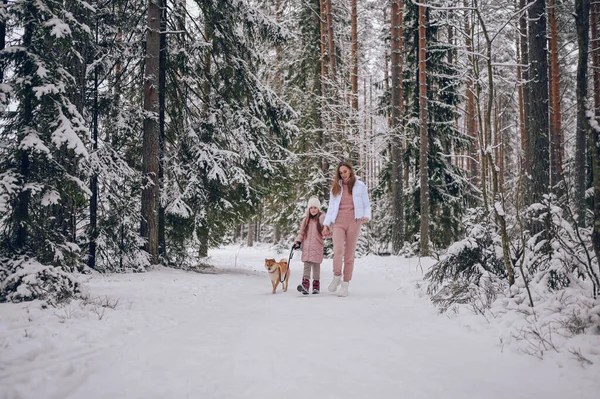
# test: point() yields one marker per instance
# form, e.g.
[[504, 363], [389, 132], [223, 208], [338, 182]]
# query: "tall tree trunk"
[[354, 78], [498, 195], [595, 133], [424, 147], [251, 232], [396, 126], [93, 227], [582, 23], [150, 191], [471, 115], [524, 85], [323, 35], [162, 242], [331, 43], [521, 99], [556, 152], [2, 39], [539, 129]]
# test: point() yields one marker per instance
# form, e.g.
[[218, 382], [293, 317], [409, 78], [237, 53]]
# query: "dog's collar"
[[273, 271]]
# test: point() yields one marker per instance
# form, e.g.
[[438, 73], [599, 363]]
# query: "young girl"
[[311, 234]]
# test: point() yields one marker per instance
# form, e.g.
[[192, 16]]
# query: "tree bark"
[[582, 24], [470, 115], [497, 192], [396, 126], [539, 129], [595, 133], [150, 191], [424, 147], [162, 241], [93, 227], [556, 152], [524, 86], [332, 56]]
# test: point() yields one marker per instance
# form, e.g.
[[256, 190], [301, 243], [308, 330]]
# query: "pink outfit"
[[312, 244], [346, 230]]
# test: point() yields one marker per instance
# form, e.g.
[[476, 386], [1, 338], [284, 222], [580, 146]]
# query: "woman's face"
[[344, 173], [313, 210]]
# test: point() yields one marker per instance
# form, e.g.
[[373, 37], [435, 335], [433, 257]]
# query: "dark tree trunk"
[[539, 125], [424, 148], [582, 23], [396, 127], [150, 191], [162, 242]]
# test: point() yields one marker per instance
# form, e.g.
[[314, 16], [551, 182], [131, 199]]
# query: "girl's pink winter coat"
[[312, 244]]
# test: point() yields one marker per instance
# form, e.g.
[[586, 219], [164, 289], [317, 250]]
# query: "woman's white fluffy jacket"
[[360, 197]]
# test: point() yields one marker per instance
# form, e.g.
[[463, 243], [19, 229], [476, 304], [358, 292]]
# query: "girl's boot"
[[316, 286], [304, 287]]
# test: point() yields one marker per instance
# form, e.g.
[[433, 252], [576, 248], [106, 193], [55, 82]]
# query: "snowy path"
[[186, 335]]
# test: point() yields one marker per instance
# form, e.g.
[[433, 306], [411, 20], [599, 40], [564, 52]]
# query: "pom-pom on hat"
[[314, 201]]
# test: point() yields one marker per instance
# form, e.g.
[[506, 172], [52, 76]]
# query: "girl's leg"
[[316, 270], [351, 240], [306, 272]]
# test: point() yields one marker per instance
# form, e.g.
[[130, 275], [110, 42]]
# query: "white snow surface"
[[177, 334]]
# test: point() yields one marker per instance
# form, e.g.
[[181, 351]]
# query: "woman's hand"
[[364, 219], [325, 231]]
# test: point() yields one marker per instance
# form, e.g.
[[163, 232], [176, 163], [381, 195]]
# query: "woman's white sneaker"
[[344, 289], [335, 283]]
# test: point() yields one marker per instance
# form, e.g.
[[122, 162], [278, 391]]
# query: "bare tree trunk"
[[424, 148], [471, 116], [539, 129], [150, 191], [498, 195], [595, 134], [332, 55], [354, 80], [354, 76], [582, 8], [323, 35], [250, 233], [521, 99], [524, 84], [93, 226], [582, 23], [396, 126], [162, 242], [556, 152]]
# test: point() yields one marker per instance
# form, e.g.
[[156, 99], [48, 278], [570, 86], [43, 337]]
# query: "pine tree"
[[44, 144]]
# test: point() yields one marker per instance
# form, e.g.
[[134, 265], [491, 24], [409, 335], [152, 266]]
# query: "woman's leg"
[[351, 239], [339, 240]]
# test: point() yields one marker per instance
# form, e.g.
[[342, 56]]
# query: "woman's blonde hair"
[[336, 188]]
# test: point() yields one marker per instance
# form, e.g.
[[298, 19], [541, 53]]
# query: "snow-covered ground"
[[175, 334]]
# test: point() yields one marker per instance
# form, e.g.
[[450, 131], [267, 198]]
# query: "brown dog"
[[277, 271]]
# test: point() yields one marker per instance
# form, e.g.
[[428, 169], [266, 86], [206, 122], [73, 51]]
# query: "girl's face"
[[313, 210], [344, 173]]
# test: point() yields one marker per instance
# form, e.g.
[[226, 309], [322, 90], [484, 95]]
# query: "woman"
[[349, 208]]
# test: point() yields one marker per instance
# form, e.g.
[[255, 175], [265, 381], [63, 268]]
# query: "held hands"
[[326, 232]]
